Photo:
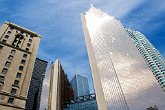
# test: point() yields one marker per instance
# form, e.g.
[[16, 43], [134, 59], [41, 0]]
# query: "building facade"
[[151, 55], [80, 85], [18, 49], [45, 90], [60, 90], [122, 79], [35, 89], [87, 102]]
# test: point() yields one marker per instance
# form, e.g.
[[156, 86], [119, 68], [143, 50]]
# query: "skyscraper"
[[122, 79], [151, 55], [18, 49], [60, 90], [80, 85], [34, 93]]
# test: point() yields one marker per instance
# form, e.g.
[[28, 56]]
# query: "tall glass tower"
[[80, 85], [122, 79], [151, 55]]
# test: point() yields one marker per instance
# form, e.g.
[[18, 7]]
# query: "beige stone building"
[[18, 49]]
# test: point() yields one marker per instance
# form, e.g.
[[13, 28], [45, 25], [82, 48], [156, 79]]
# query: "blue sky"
[[59, 24]]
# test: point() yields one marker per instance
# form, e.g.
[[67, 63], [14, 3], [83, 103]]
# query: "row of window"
[[11, 29], [18, 40], [10, 99]]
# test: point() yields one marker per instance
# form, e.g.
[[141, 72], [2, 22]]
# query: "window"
[[30, 40], [27, 49], [2, 97], [22, 32], [1, 78], [4, 71], [1, 47], [13, 52], [10, 57], [31, 36], [7, 63], [9, 32], [24, 55], [21, 68], [4, 41], [28, 45], [16, 82], [10, 100], [18, 40], [13, 91], [18, 75], [6, 36], [11, 28], [23, 61]]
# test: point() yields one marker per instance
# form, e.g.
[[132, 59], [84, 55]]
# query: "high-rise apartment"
[[151, 55], [122, 79], [80, 85], [18, 49], [34, 93], [60, 90]]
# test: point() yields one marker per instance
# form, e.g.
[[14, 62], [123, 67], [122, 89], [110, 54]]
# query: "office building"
[[35, 89], [122, 79], [18, 49], [80, 85], [151, 55], [86, 102], [45, 90], [60, 90]]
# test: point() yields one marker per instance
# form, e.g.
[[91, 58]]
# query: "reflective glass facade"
[[87, 102], [151, 55], [88, 105], [122, 79], [35, 89], [80, 85]]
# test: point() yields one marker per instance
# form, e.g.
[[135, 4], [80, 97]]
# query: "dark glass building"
[[34, 93]]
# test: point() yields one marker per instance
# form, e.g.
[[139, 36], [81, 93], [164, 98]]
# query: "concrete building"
[[122, 79], [60, 91], [80, 85], [35, 89], [151, 55], [18, 49]]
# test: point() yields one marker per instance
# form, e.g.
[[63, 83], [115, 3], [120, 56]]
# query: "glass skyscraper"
[[35, 89], [122, 78], [151, 55], [80, 85]]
